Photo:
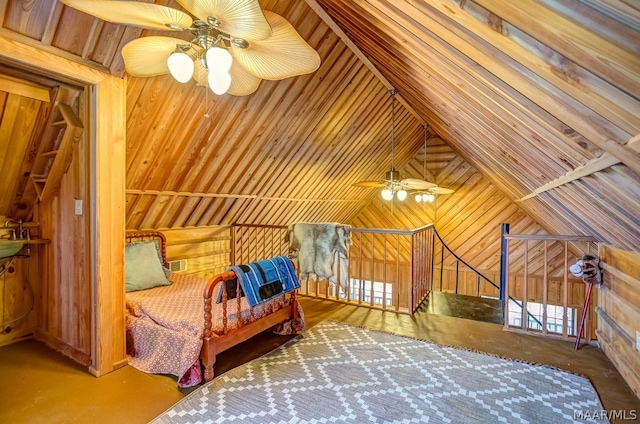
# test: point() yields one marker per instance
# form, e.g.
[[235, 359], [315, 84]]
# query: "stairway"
[[462, 306]]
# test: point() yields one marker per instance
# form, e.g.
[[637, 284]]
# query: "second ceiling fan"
[[392, 184]]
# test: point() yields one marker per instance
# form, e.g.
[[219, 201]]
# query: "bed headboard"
[[156, 236]]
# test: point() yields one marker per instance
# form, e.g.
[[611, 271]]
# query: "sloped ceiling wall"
[[290, 152], [523, 92]]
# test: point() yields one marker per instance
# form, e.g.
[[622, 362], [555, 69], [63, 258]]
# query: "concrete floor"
[[40, 386]]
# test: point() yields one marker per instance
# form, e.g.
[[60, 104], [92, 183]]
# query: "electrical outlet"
[[638, 341]]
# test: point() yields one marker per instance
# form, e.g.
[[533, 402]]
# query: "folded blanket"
[[262, 280]]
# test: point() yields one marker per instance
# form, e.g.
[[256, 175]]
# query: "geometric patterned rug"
[[341, 373]]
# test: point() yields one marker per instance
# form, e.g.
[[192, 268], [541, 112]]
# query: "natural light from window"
[[361, 289], [554, 317]]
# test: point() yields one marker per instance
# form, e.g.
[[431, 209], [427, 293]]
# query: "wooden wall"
[[619, 312], [469, 220], [65, 307], [206, 250]]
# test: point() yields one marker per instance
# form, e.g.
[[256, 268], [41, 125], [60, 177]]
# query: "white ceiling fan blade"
[[239, 18], [242, 82], [369, 184], [147, 56], [416, 184], [441, 190], [133, 13], [285, 54]]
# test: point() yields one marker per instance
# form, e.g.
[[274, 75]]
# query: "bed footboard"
[[213, 344]]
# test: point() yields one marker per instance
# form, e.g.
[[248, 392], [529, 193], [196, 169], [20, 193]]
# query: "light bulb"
[[219, 82], [401, 195], [387, 194], [181, 66], [418, 198], [429, 197], [218, 59]]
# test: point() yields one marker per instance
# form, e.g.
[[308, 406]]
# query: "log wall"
[[619, 312], [206, 250]]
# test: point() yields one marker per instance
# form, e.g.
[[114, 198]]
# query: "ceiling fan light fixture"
[[219, 60], [219, 82], [418, 198], [181, 66], [387, 194], [401, 194]]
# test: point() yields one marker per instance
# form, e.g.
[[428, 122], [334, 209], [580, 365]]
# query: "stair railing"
[[479, 276]]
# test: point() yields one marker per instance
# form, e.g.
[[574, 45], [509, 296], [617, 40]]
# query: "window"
[[361, 289], [534, 317]]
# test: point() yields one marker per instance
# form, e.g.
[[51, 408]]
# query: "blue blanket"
[[262, 280]]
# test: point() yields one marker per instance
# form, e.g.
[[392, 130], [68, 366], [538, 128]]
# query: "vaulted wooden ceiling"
[[524, 91]]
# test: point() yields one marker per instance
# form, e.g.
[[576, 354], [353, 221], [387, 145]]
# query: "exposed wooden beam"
[[188, 194], [90, 44], [233, 196], [594, 165], [52, 23], [313, 4], [10, 46], [24, 88]]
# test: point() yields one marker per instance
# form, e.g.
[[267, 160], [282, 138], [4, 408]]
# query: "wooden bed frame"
[[213, 344]]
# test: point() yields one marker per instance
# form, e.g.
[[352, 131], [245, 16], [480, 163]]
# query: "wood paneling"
[[107, 170], [64, 309], [522, 103], [206, 250], [619, 312], [519, 95]]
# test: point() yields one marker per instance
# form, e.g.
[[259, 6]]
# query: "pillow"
[[166, 270], [143, 268]]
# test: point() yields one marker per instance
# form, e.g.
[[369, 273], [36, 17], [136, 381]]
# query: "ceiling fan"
[[392, 184], [236, 44], [428, 195]]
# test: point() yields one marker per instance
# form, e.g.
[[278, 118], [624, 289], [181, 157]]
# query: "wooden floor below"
[[41, 386]]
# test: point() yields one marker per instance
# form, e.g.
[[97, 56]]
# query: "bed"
[[176, 324]]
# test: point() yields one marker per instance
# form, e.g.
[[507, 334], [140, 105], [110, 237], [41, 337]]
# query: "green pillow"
[[143, 269]]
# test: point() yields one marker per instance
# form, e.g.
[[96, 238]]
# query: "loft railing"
[[388, 269], [479, 277], [562, 297]]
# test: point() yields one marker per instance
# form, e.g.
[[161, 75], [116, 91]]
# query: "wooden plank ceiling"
[[523, 93]]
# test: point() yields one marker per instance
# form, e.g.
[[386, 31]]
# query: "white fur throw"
[[320, 249]]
